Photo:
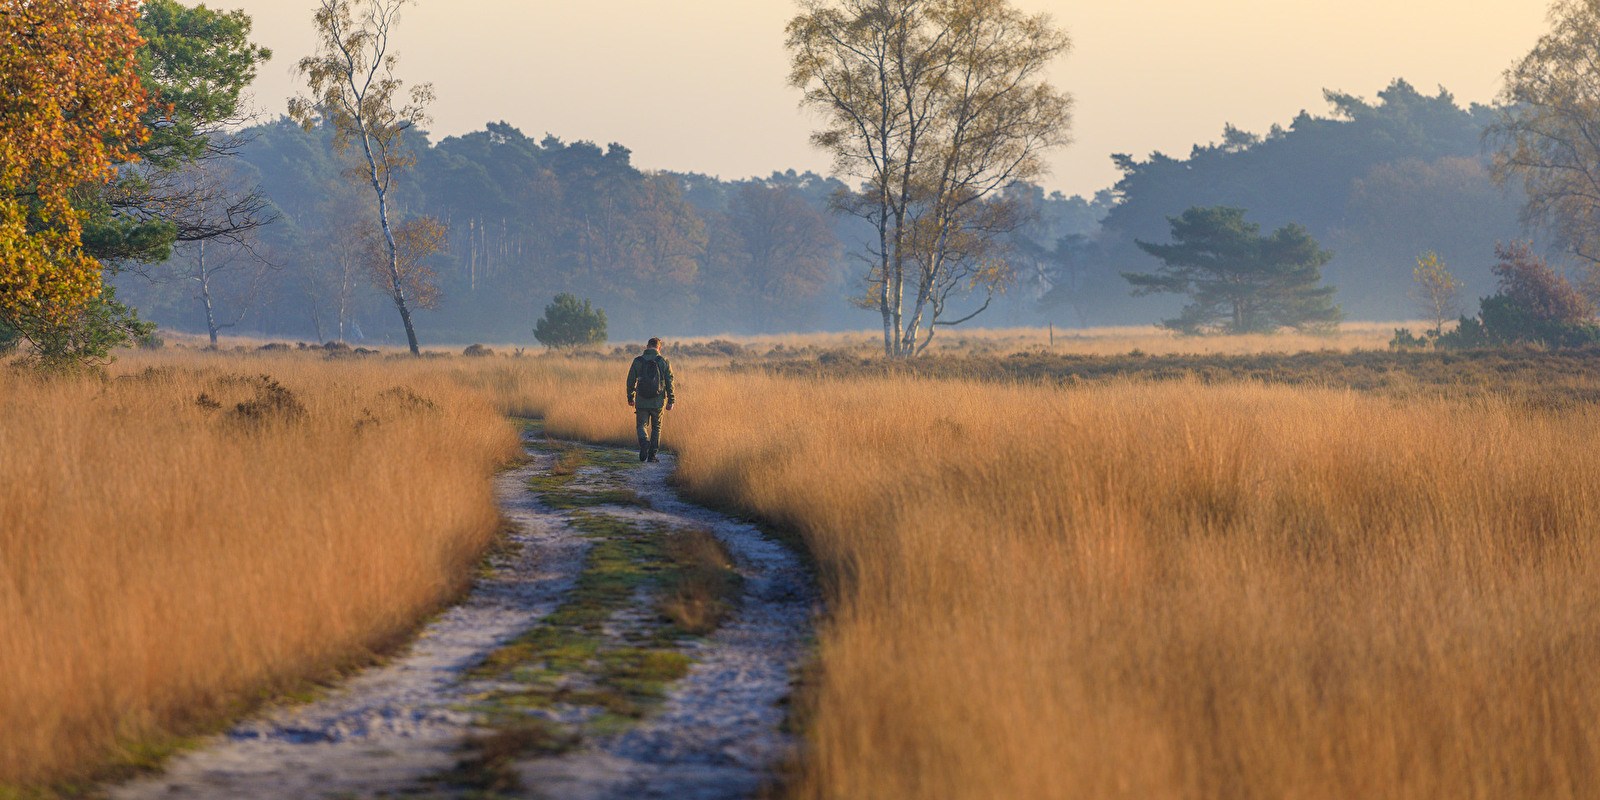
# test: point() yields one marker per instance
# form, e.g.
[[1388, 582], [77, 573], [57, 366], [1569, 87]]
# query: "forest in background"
[[1376, 181], [527, 219]]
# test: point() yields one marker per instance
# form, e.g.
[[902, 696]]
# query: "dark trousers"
[[648, 444]]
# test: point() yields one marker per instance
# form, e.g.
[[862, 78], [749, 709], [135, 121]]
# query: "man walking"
[[649, 394]]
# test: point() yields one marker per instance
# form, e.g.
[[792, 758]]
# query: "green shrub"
[[87, 339], [1404, 339], [1501, 322], [1535, 305], [569, 323], [1468, 335]]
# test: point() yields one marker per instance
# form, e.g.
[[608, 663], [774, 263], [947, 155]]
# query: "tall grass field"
[[193, 535], [1130, 588], [1168, 590]]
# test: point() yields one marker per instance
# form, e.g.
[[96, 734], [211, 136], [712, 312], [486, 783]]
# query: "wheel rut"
[[623, 644]]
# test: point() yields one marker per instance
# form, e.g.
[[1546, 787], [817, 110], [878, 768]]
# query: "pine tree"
[[569, 322], [1239, 281]]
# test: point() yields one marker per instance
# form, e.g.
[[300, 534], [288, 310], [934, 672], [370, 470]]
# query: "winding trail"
[[417, 726]]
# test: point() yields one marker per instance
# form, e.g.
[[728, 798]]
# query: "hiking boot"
[[643, 456], [653, 459]]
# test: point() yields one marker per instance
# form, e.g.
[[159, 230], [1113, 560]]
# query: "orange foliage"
[[69, 113]]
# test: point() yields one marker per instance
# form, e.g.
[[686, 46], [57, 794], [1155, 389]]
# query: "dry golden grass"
[[1164, 590], [165, 560], [1141, 590]]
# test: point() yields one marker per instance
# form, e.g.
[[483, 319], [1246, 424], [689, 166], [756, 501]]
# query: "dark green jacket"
[[648, 403]]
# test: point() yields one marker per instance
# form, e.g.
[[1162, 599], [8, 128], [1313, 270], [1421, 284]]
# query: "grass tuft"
[[490, 769], [704, 588]]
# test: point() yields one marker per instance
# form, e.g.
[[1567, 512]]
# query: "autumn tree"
[[69, 112], [398, 265], [1548, 130], [354, 88], [1437, 291], [1237, 280], [934, 106], [1535, 303], [1528, 282]]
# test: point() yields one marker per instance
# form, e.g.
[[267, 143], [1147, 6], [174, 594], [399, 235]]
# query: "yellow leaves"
[[70, 113], [415, 241], [1544, 137], [43, 275], [1431, 271]]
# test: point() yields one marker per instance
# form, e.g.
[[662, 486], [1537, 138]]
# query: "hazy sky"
[[699, 85]]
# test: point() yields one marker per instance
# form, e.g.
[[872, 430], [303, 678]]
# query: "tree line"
[[525, 219], [488, 225], [1374, 182], [1412, 180], [316, 224]]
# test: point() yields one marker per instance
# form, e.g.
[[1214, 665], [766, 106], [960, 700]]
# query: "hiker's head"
[[654, 343]]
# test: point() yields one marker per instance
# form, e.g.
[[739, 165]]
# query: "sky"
[[701, 85]]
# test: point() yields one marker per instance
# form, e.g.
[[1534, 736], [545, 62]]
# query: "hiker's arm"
[[666, 367], [633, 378]]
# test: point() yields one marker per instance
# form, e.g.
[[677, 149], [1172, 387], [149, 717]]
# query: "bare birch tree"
[[213, 260], [218, 220], [343, 261], [330, 265], [934, 106], [354, 88]]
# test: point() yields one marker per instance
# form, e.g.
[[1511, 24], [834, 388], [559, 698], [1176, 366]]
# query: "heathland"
[[194, 534], [1039, 583]]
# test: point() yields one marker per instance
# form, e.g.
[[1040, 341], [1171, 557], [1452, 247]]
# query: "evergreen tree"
[[1239, 281], [569, 322]]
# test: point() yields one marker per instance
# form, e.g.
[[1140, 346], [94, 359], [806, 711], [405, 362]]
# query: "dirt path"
[[625, 644]]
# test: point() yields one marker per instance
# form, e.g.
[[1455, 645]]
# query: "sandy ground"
[[719, 732], [388, 730]]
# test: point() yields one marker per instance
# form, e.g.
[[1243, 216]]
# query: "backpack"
[[649, 378]]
